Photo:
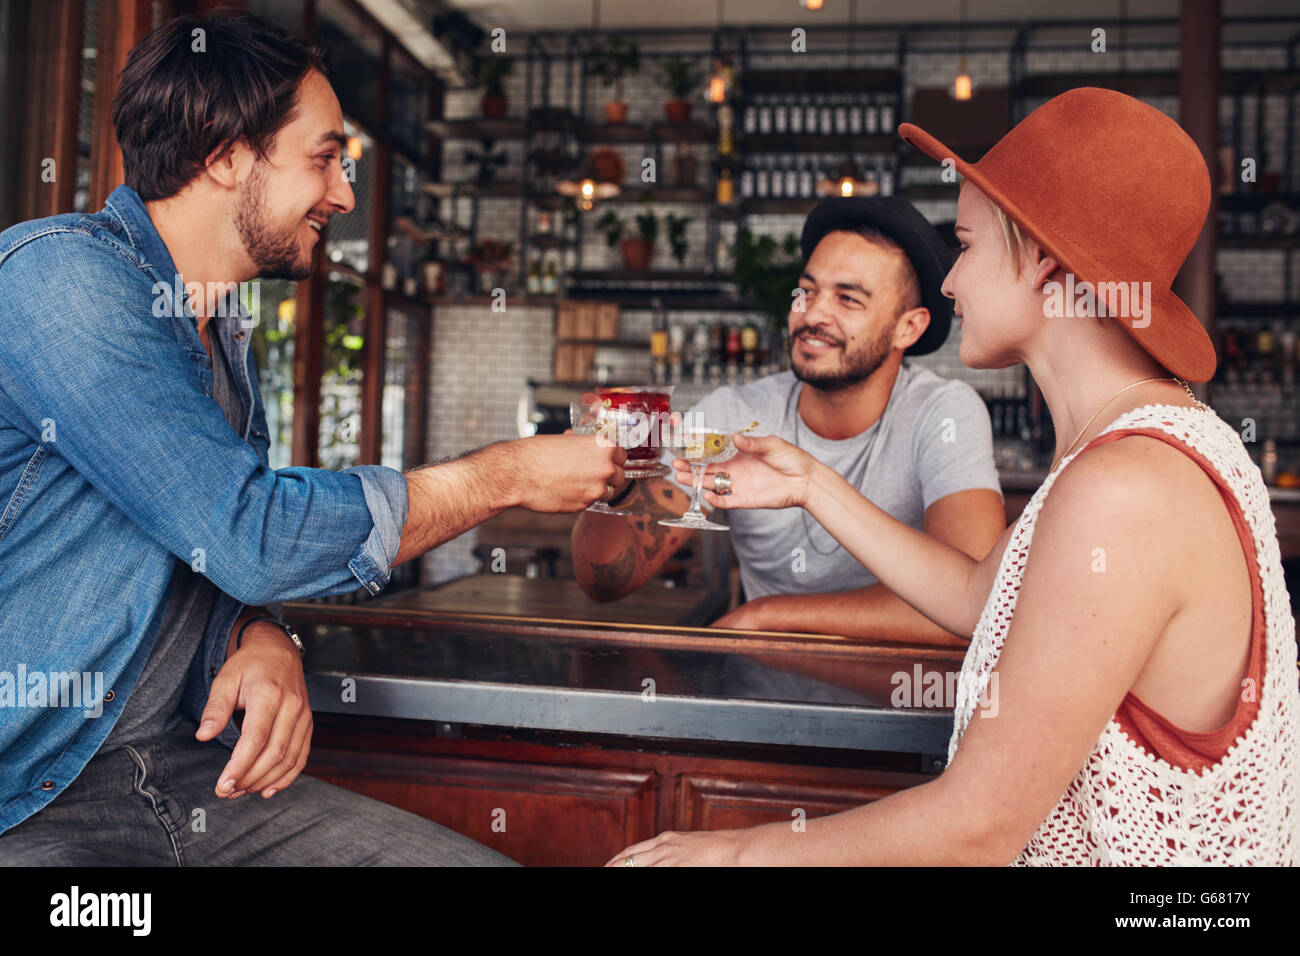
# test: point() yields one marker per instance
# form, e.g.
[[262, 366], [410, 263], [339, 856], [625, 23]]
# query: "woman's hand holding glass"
[[768, 472]]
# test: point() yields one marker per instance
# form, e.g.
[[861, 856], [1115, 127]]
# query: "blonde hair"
[[1019, 245]]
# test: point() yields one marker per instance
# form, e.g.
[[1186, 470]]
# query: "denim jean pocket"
[[25, 482]]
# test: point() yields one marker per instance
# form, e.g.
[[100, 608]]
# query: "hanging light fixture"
[[597, 178], [601, 171], [813, 5], [962, 87], [723, 77]]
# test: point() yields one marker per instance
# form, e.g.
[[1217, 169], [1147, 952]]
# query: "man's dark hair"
[[185, 95]]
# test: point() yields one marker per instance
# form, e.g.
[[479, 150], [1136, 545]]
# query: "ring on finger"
[[721, 484]]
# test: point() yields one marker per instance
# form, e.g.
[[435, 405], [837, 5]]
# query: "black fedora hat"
[[897, 218]]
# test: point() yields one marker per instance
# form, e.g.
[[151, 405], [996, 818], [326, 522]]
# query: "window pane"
[[402, 352], [408, 105], [340, 387], [275, 309], [347, 240]]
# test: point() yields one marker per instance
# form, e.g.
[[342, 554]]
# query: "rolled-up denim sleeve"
[[386, 494]]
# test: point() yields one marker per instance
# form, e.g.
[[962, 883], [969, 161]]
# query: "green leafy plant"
[[491, 73], [611, 226], [677, 236], [768, 271], [647, 223], [679, 77], [613, 59], [647, 226]]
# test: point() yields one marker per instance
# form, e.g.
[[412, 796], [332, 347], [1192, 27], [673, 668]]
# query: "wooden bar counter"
[[562, 739]]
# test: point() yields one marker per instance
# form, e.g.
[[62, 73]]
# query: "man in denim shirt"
[[142, 532]]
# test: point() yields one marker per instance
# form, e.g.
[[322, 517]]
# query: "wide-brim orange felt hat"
[[1115, 191]]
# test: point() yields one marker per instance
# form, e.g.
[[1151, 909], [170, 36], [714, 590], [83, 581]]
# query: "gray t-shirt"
[[154, 705], [933, 440]]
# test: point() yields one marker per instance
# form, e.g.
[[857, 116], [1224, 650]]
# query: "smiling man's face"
[[288, 197], [851, 294]]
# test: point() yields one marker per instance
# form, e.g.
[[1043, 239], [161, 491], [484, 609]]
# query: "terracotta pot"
[[678, 111], [615, 112], [636, 252], [494, 107]]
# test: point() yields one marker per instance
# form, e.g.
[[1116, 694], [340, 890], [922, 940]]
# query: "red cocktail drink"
[[644, 411]]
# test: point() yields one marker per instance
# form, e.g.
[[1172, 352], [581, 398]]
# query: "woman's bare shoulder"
[[1140, 487]]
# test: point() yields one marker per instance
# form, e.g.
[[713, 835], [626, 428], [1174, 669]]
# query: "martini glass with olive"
[[701, 447]]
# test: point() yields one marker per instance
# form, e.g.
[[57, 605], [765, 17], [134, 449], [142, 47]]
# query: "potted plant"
[[638, 249], [768, 272], [491, 258], [491, 72], [611, 61], [679, 77]]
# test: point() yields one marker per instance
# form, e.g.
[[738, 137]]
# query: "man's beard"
[[276, 255], [854, 369]]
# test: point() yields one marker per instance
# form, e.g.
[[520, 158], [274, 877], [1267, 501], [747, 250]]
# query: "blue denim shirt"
[[114, 460]]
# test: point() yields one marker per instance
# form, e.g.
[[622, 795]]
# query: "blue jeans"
[[136, 806]]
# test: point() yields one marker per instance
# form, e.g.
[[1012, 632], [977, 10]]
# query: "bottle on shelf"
[[764, 115], [797, 114], [676, 348], [762, 179], [780, 116], [841, 115], [659, 345], [747, 183], [750, 117], [733, 352], [533, 283], [717, 338], [550, 278], [791, 177], [806, 182], [870, 117], [700, 353], [749, 350], [726, 192], [810, 114], [886, 173], [887, 117], [825, 118], [726, 120], [870, 177]]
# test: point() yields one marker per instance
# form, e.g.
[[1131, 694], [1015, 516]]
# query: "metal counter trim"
[[727, 720]]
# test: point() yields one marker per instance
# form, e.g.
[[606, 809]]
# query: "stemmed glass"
[[701, 447], [590, 418]]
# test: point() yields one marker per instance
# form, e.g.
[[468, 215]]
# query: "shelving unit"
[[1244, 95]]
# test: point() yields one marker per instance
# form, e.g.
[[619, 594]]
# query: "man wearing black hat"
[[919, 446]]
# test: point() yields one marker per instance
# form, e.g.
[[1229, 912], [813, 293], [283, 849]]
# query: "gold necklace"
[[1187, 388]]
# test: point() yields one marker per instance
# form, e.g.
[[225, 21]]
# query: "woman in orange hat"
[[1129, 695]]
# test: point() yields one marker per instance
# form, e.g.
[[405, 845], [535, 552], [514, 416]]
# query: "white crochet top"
[[1127, 806]]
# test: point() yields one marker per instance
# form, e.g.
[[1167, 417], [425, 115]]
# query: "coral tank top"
[[1187, 749]]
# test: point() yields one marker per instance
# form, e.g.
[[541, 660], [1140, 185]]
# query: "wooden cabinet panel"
[[707, 802], [533, 813]]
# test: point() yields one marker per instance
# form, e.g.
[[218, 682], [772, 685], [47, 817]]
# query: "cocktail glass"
[[591, 418], [642, 412], [701, 447]]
